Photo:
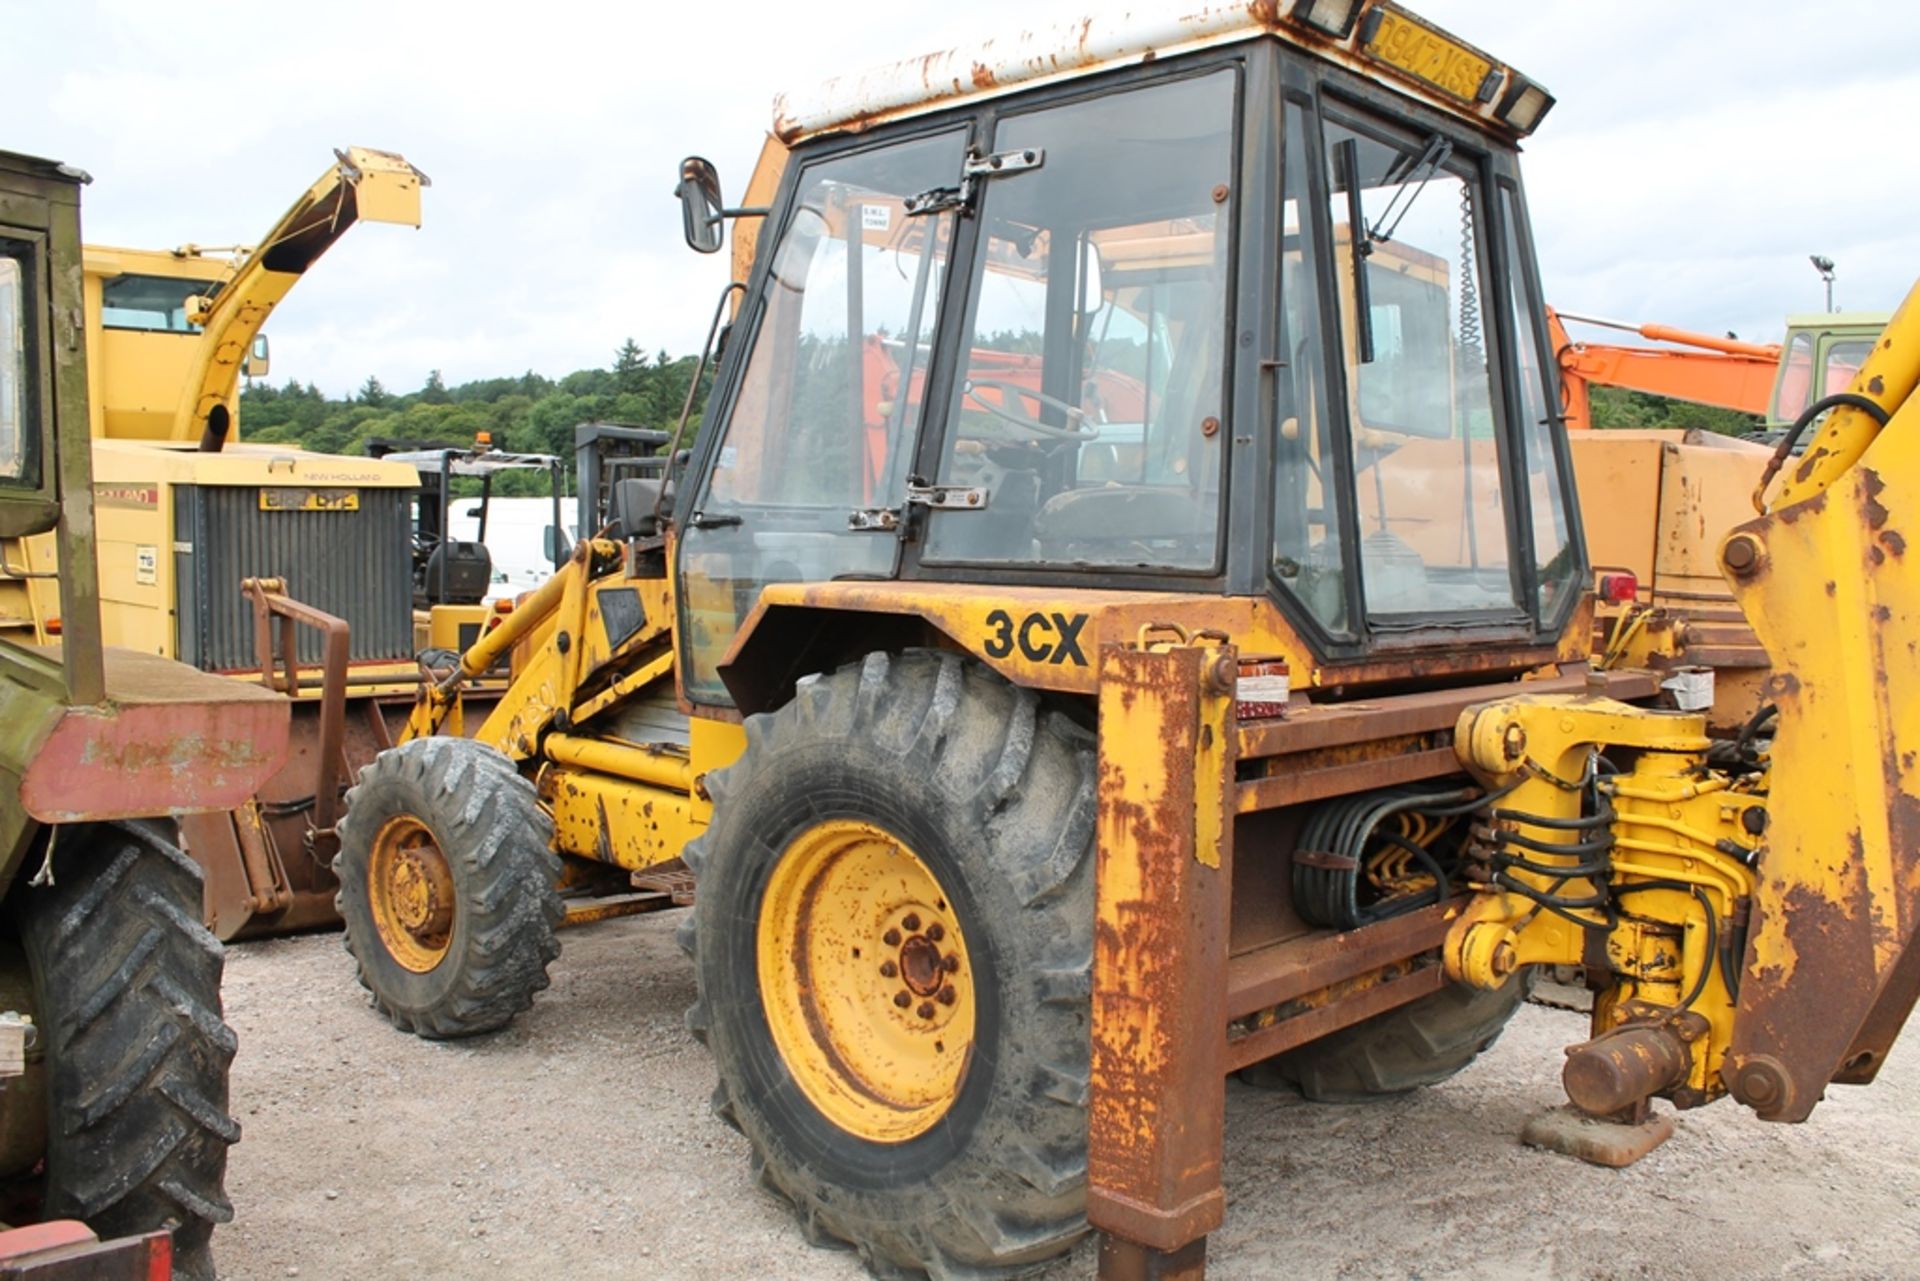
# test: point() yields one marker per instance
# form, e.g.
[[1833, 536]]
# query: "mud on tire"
[[996, 797], [135, 1054], [494, 838]]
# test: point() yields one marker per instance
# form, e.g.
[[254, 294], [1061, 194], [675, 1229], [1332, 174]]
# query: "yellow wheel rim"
[[866, 982], [410, 892]]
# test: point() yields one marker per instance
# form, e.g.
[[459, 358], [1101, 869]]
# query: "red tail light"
[[1619, 589]]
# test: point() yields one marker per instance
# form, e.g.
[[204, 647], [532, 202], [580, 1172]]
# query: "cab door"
[[823, 408]]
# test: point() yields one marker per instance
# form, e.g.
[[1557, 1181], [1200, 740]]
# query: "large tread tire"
[[996, 795], [1422, 1043], [496, 841], [127, 986]]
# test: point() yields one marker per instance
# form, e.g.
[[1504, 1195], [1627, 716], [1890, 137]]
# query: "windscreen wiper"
[[1411, 180], [1346, 173], [1431, 157]]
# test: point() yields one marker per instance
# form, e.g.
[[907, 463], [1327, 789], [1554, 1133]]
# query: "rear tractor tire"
[[447, 887], [1422, 1043], [893, 936], [132, 1054]]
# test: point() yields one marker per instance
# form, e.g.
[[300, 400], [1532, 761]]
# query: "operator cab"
[[1232, 320], [457, 571]]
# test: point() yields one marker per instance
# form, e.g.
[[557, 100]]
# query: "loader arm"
[[1832, 968], [363, 185], [1748, 913]]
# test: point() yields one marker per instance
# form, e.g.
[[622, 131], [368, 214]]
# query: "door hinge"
[[978, 168], [963, 498]]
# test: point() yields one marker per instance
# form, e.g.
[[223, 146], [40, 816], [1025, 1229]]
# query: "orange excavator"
[[1773, 380]]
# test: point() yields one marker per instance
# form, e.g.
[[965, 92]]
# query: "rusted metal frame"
[[1122, 1260], [270, 602], [269, 888], [1282, 972], [1343, 724], [1296, 786], [1157, 1100], [307, 673], [377, 723], [1726, 656], [606, 909], [1343, 1012]]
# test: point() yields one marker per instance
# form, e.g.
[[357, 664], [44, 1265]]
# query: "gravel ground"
[[577, 1144]]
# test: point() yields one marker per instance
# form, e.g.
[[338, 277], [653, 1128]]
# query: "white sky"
[[1699, 152]]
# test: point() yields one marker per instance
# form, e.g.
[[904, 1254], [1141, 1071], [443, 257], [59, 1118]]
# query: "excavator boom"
[[363, 185], [1723, 372]]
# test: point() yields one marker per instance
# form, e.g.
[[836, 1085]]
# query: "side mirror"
[[258, 362], [555, 544], [472, 512], [701, 205]]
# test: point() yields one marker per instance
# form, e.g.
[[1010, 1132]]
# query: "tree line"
[[1622, 407], [529, 414], [536, 414]]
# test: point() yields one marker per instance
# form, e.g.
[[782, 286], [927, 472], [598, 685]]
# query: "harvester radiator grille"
[[355, 565]]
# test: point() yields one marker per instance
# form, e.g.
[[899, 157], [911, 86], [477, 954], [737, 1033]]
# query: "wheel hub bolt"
[[947, 995], [912, 922], [888, 969], [902, 1000], [951, 963], [936, 931], [926, 1009], [891, 938]]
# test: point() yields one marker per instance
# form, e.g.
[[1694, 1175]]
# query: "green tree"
[[630, 367]]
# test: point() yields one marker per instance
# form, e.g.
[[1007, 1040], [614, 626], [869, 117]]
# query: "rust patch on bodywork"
[[1157, 1095]]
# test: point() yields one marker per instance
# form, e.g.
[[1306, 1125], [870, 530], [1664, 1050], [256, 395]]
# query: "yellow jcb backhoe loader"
[[1113, 632]]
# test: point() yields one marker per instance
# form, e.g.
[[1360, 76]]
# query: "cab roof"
[[1376, 38]]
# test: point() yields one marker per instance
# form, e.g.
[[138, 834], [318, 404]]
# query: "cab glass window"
[[15, 385], [1796, 379], [824, 423], [1553, 547], [156, 303], [1407, 220], [1844, 358], [1088, 399]]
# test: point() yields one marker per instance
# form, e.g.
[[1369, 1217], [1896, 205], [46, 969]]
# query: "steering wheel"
[[1033, 426]]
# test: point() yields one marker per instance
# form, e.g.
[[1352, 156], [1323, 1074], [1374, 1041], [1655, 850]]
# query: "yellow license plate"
[[309, 500], [1430, 56]]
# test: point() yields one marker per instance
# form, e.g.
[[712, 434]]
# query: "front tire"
[[447, 887], [894, 935], [134, 1051]]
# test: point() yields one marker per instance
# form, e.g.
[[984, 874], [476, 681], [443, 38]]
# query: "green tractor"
[[113, 1052]]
